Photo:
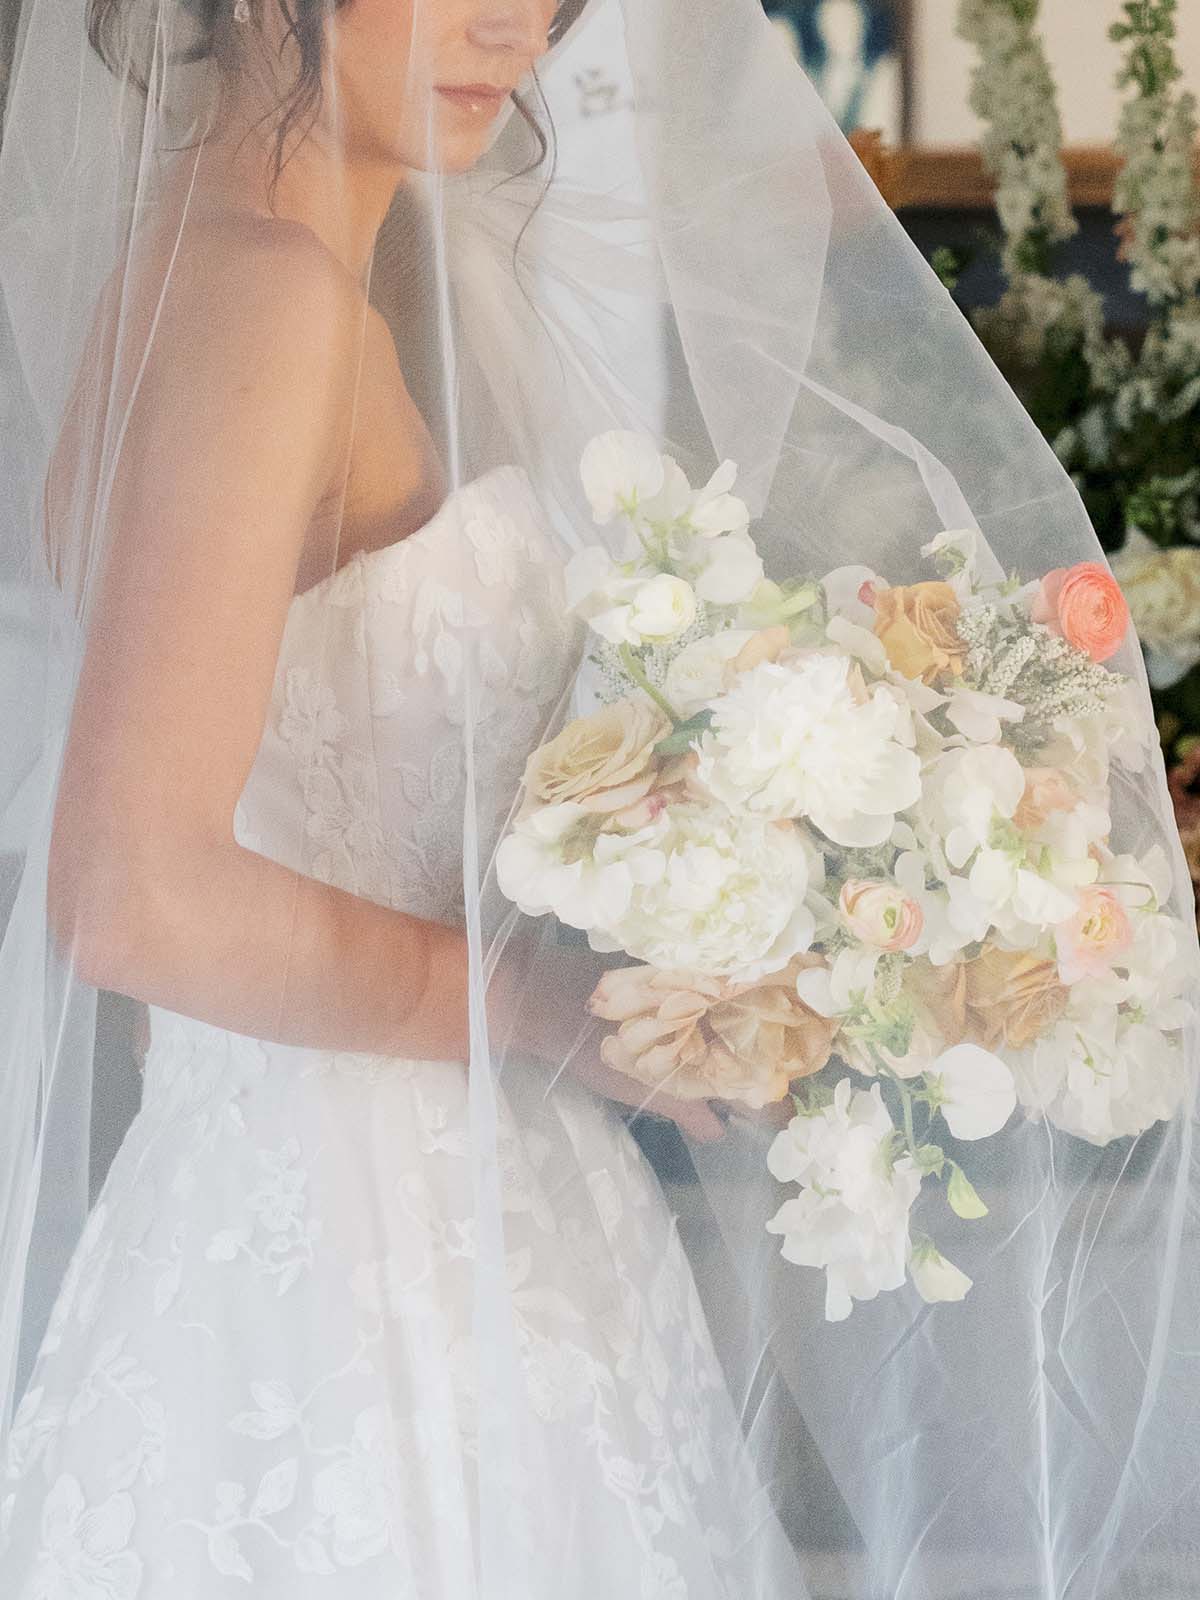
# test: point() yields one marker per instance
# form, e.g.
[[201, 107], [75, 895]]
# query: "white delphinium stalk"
[[1013, 93], [1156, 189]]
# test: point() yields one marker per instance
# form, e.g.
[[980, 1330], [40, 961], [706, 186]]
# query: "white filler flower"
[[803, 740]]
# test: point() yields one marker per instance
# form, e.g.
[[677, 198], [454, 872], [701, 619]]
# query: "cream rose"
[[701, 1037], [602, 762], [1013, 997]]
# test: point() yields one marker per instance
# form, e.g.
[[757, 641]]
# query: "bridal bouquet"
[[855, 835]]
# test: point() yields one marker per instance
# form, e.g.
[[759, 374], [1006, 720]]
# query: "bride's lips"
[[478, 98]]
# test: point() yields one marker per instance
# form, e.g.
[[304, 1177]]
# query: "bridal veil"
[[708, 270]]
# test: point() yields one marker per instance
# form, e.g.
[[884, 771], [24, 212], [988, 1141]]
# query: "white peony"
[[555, 861], [697, 674], [975, 1091], [619, 470], [851, 1215], [727, 898], [806, 740]]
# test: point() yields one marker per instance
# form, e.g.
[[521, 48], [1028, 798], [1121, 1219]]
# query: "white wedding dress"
[[257, 1373]]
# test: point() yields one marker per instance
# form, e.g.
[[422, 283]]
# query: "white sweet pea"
[[806, 739], [714, 510], [966, 790], [1006, 889], [619, 470], [661, 609], [936, 1279], [851, 1215], [860, 643], [976, 1091], [546, 865], [730, 569], [835, 990], [979, 716], [590, 571], [961, 545], [845, 588], [1103, 1076]]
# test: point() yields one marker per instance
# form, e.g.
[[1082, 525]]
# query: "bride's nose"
[[516, 25]]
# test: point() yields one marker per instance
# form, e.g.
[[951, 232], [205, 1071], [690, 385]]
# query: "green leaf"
[[960, 1193], [681, 736]]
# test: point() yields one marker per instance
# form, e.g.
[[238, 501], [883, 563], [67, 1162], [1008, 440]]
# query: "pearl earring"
[[241, 11]]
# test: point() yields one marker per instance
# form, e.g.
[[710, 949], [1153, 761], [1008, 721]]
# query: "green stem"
[[634, 668], [906, 1101]]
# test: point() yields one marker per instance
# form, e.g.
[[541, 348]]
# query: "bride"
[[381, 1294]]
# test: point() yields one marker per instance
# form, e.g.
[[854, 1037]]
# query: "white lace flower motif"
[[805, 739], [360, 1491], [85, 1548]]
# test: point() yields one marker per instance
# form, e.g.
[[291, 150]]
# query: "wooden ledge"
[[933, 178]]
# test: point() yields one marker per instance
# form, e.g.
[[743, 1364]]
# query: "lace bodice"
[[360, 777]]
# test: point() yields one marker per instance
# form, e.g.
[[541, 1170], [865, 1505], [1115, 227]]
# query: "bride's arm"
[[239, 427]]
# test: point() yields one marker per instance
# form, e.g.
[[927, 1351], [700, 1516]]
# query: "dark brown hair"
[[107, 24]]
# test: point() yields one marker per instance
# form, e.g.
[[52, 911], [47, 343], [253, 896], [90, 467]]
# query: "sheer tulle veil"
[[717, 274]]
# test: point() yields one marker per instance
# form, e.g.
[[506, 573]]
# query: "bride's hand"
[[696, 1118]]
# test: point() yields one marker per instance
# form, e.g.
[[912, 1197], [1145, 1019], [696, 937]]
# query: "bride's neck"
[[341, 197]]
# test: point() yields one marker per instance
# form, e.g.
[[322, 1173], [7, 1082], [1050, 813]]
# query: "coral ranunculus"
[[1084, 604]]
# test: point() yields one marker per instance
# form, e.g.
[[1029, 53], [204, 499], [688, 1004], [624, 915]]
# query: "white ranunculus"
[[851, 1215], [798, 740], [661, 608], [977, 1091], [620, 468], [966, 790], [544, 866], [729, 900], [697, 674], [730, 569], [936, 1279]]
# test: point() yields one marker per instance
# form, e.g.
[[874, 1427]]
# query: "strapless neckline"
[[496, 478]]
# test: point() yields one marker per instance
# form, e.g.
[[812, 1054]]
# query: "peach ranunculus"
[[880, 914], [916, 626], [1047, 789], [698, 1037], [1095, 936], [1084, 605], [1012, 996], [603, 762]]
